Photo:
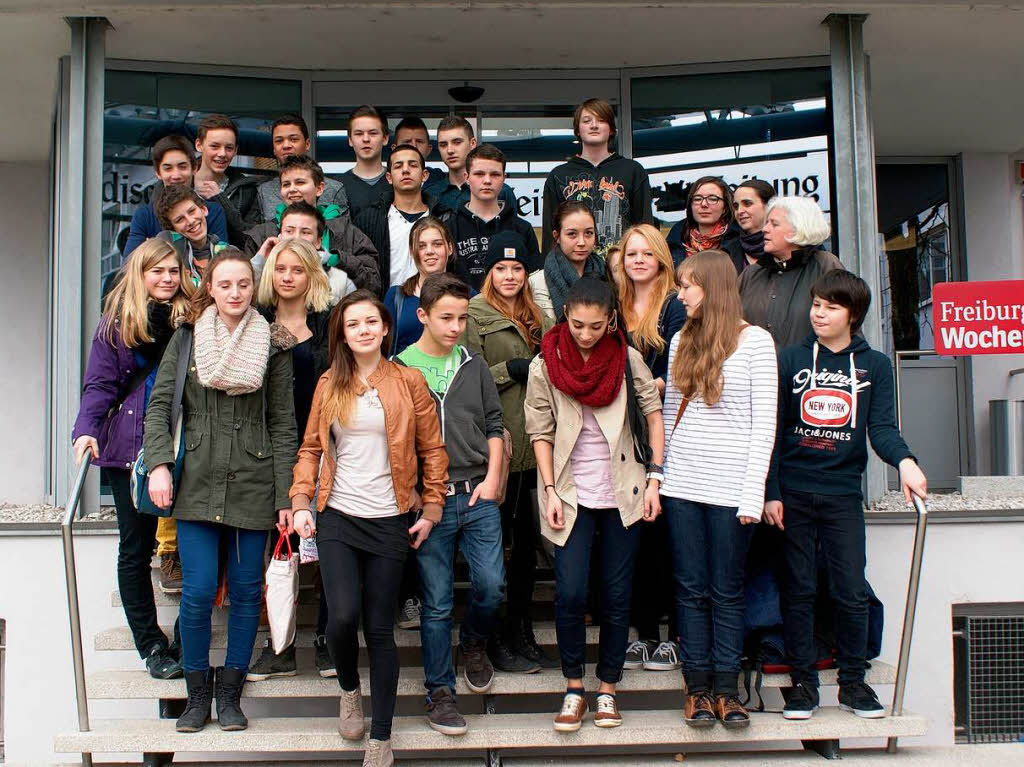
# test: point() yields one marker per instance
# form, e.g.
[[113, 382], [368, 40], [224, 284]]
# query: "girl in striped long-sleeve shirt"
[[720, 407]]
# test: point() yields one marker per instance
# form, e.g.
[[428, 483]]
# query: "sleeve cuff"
[[432, 511]]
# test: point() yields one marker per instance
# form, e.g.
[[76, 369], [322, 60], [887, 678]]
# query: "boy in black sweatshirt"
[[616, 188], [835, 393], [473, 223]]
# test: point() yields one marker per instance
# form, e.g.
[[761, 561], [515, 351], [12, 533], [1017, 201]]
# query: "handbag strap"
[[184, 357], [281, 540], [679, 413], [133, 383]]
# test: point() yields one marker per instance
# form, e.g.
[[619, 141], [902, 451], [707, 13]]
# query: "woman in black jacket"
[[750, 203], [294, 294]]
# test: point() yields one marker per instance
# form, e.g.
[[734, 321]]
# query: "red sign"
[[979, 317]]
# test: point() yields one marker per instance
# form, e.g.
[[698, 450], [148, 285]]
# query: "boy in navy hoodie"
[[835, 393]]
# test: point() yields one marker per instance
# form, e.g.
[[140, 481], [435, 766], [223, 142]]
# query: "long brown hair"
[[645, 329], [712, 330], [126, 308], [202, 298], [525, 313], [408, 287], [342, 385]]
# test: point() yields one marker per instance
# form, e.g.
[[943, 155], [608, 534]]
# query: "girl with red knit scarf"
[[593, 483]]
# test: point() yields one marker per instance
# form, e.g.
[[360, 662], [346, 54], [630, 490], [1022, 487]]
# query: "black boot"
[[200, 695], [229, 692], [524, 643]]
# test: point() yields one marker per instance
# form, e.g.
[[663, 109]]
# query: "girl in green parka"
[[240, 446], [505, 327]]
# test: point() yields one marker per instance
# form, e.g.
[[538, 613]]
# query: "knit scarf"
[[560, 275], [594, 382], [753, 244], [158, 319], [698, 242], [232, 362]]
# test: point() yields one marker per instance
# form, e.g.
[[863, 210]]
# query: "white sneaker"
[[409, 615], [664, 658]]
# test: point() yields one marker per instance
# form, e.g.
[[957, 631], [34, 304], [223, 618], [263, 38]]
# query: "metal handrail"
[[71, 582], [908, 616]]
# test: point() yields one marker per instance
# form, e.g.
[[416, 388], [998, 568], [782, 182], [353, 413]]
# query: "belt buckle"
[[449, 489]]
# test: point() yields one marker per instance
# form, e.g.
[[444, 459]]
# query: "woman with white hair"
[[776, 292]]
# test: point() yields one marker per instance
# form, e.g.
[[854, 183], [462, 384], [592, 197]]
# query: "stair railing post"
[[908, 616]]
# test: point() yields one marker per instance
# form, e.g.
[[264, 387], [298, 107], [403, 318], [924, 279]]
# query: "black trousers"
[[357, 584], [137, 537], [653, 594], [520, 525]]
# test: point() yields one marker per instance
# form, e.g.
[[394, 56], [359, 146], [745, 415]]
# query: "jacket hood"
[[578, 160], [820, 353], [857, 345], [504, 212]]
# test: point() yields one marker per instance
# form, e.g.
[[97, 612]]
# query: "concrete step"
[[486, 731], [120, 637], [123, 685]]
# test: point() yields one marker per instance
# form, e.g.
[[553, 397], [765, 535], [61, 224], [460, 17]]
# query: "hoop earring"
[[614, 324]]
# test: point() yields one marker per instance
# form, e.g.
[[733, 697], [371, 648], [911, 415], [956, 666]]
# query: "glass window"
[[142, 107], [774, 125], [914, 227]]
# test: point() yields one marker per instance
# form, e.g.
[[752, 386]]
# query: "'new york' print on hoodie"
[[830, 404], [617, 189]]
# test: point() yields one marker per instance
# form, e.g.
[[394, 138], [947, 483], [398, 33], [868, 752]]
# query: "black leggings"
[[358, 583], [520, 525]]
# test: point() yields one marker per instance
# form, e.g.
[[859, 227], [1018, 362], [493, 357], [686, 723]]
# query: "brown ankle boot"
[[731, 712], [699, 710]]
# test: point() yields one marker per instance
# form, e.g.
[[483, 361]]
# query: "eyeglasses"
[[710, 199]]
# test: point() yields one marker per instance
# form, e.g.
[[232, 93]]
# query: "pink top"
[[591, 466]]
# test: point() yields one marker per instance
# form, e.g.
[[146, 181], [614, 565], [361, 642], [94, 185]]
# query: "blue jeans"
[[709, 552], [617, 546], [836, 524], [477, 532], [199, 548]]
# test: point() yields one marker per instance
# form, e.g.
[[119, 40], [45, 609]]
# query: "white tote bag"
[[282, 594]]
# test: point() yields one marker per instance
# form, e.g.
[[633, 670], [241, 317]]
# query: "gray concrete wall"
[[995, 251], [23, 364]]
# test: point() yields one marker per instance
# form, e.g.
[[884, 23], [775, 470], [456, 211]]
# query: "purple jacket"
[[110, 369]]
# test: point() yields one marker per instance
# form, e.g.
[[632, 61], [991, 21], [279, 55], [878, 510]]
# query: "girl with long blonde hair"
[[720, 408], [652, 315], [148, 301], [505, 325], [373, 434]]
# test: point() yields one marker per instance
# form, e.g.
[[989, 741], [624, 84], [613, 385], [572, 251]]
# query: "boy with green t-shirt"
[[471, 423]]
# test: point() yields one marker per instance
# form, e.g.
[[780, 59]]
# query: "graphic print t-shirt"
[[438, 371]]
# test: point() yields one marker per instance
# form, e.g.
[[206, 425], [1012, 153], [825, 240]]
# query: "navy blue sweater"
[[829, 406], [145, 225]]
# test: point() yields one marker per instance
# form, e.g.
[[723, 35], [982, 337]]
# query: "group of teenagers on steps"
[[396, 373]]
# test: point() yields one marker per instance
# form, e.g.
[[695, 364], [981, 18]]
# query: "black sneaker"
[[664, 658], [324, 665], [442, 715], [861, 700], [503, 658], [802, 703], [638, 653], [269, 664], [162, 664], [523, 642], [409, 615], [478, 671]]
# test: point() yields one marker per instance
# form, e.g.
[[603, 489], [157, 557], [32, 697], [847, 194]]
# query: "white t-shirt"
[[399, 227], [363, 486]]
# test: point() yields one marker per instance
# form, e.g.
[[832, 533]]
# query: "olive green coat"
[[494, 336], [239, 450]]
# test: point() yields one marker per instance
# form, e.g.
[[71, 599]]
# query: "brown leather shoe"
[[170, 574], [574, 708], [731, 712], [699, 710]]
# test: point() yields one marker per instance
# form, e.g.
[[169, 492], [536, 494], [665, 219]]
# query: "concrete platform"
[[122, 685], [494, 731]]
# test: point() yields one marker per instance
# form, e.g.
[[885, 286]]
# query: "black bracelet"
[[547, 486]]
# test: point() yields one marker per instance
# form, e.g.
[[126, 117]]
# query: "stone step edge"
[[138, 685], [486, 731]]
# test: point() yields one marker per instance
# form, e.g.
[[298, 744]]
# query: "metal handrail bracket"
[[908, 616], [71, 582]]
